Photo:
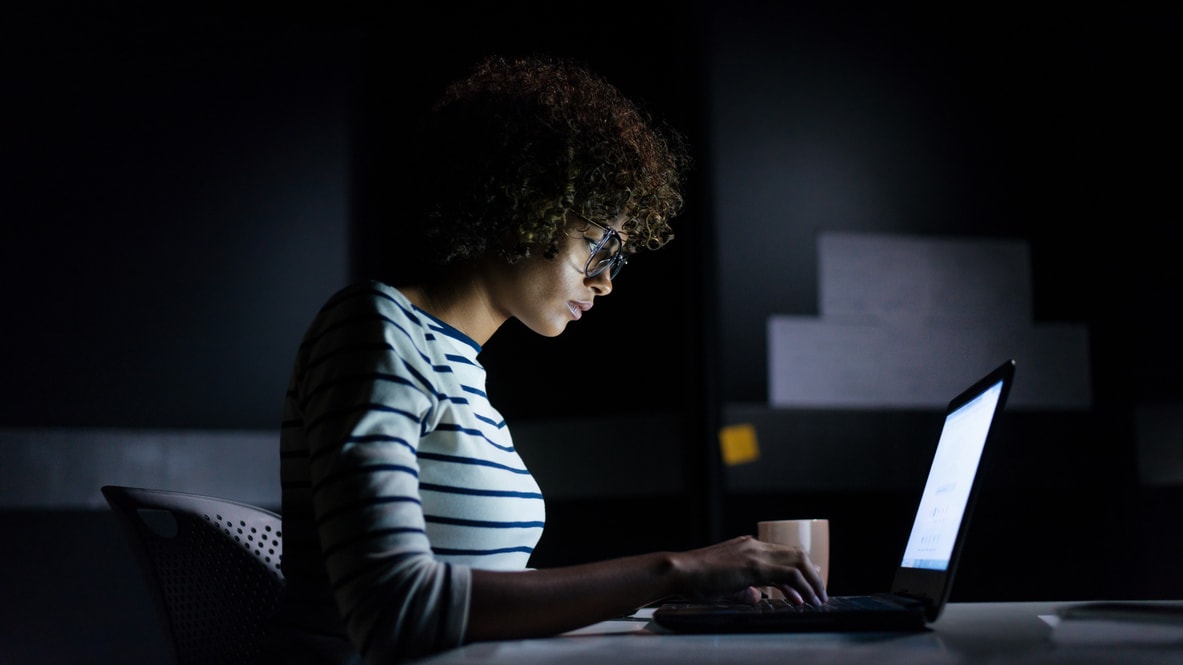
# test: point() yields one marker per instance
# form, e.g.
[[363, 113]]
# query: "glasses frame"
[[612, 264]]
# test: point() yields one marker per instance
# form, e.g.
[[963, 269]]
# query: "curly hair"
[[515, 146]]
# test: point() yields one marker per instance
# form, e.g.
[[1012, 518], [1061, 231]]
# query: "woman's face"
[[546, 295]]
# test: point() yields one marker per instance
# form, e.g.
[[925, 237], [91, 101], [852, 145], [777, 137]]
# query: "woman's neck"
[[460, 299]]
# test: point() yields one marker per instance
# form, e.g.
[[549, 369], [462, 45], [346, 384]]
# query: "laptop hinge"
[[914, 597]]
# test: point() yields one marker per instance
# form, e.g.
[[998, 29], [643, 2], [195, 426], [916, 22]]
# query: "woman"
[[409, 518]]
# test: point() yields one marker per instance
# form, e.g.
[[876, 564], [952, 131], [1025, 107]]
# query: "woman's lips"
[[577, 308]]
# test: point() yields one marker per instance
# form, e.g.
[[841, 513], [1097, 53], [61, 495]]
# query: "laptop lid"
[[942, 519]]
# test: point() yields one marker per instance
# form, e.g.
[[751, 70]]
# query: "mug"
[[811, 535]]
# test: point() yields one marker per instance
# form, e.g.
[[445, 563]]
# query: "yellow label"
[[738, 444]]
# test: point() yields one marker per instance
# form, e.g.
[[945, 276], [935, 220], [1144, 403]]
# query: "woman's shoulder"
[[380, 303], [361, 308], [368, 295]]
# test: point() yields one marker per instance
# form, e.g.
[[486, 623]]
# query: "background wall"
[[176, 194], [1039, 124], [1043, 124], [183, 187], [175, 187]]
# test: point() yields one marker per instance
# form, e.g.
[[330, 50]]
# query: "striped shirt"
[[398, 477]]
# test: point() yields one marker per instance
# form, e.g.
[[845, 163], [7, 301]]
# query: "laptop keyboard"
[[835, 604]]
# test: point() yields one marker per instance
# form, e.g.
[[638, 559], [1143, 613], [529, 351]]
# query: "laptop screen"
[[947, 490]]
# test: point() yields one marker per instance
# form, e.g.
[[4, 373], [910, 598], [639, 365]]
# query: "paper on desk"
[[1118, 623], [635, 623]]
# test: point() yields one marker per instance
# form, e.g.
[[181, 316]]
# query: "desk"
[[966, 633]]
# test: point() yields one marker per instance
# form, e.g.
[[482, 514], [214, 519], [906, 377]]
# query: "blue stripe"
[[424, 381], [503, 550], [365, 470], [364, 503], [470, 460], [380, 438], [343, 322], [370, 438], [357, 378], [456, 521], [427, 385], [368, 535], [447, 427], [461, 359], [499, 424], [475, 391], [444, 328], [449, 489], [366, 407], [376, 316], [343, 350]]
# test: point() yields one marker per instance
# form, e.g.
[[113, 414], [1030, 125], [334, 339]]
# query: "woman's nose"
[[601, 283]]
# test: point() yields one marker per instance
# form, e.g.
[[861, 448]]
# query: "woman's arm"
[[508, 605]]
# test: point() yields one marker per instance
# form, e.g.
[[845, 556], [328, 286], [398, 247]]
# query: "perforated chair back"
[[212, 567]]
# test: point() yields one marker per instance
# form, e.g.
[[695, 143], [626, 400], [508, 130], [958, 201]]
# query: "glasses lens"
[[606, 255]]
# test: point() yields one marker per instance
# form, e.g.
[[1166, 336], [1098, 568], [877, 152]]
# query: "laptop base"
[[699, 617]]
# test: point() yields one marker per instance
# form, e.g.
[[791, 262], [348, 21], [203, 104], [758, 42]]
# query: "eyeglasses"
[[607, 253]]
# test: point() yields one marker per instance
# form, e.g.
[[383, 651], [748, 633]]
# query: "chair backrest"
[[212, 567]]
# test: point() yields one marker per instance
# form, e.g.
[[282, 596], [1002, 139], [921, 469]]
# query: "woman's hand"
[[734, 568], [517, 604]]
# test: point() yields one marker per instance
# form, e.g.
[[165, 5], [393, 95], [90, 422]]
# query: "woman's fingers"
[[804, 590], [733, 568], [791, 594], [750, 596], [805, 579], [816, 582]]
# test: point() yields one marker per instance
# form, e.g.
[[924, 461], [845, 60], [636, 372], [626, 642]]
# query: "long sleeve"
[[398, 476]]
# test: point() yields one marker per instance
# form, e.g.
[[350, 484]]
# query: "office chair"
[[212, 568]]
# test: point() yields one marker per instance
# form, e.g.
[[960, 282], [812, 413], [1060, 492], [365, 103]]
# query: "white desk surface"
[[965, 633]]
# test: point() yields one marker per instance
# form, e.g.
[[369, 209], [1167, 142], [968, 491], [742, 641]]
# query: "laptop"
[[925, 573]]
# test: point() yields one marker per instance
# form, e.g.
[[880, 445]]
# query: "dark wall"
[[176, 191], [1055, 127], [1035, 122], [184, 186]]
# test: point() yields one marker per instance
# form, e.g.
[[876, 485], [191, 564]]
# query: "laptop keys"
[[835, 604]]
